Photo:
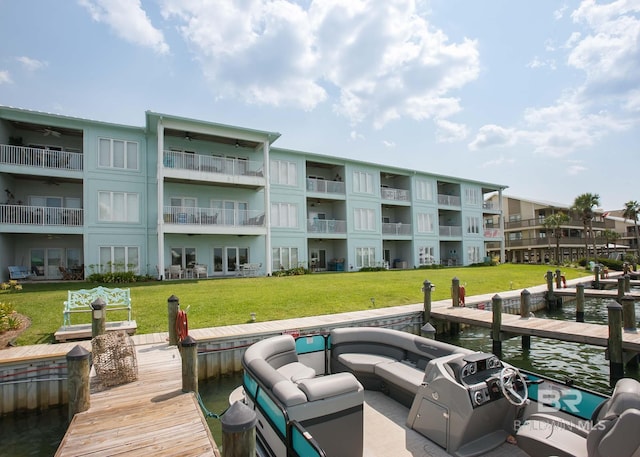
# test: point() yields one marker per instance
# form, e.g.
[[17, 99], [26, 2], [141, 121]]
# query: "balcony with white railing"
[[41, 215], [324, 186], [216, 217], [397, 228], [449, 200], [451, 230], [326, 226], [205, 167], [398, 195], [22, 156]]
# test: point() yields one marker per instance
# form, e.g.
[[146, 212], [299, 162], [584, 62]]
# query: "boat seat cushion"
[[329, 386], [296, 371], [363, 363], [401, 374], [545, 434], [288, 393]]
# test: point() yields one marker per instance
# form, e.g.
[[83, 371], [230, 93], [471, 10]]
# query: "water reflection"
[[33, 434]]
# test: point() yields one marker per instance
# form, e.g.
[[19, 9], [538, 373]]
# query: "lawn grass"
[[216, 302]]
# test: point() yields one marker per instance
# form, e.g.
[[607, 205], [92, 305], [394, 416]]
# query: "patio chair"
[[66, 274], [200, 271], [175, 272]]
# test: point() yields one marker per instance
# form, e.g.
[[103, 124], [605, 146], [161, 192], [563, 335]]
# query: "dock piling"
[[98, 317], [579, 302], [496, 302], [173, 305], [239, 431], [189, 353], [628, 313], [78, 380], [614, 347], [525, 307], [455, 292]]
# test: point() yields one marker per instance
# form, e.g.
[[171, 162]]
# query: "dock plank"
[[150, 416]]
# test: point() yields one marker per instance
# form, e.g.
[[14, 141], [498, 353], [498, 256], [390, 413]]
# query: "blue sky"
[[542, 96]]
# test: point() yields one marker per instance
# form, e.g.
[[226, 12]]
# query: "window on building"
[[118, 207], [119, 258], [284, 215], [284, 173], [284, 258], [424, 190], [118, 154], [514, 218], [425, 222], [473, 254], [426, 255], [364, 219], [362, 182], [472, 196], [515, 236], [473, 225], [365, 257], [185, 257]]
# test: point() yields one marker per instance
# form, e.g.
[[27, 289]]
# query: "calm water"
[[40, 434]]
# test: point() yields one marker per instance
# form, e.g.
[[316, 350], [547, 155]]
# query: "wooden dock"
[[150, 416], [594, 293], [576, 332]]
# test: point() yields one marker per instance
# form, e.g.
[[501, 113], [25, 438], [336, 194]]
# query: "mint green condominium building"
[[182, 198]]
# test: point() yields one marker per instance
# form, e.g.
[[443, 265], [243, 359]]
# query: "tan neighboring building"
[[527, 240]]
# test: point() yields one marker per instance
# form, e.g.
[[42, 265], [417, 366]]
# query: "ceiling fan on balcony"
[[50, 132]]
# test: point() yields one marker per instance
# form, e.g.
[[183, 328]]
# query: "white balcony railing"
[[326, 226], [401, 195], [40, 158], [396, 228], [450, 230], [213, 216], [41, 215], [449, 200], [210, 164], [324, 186]]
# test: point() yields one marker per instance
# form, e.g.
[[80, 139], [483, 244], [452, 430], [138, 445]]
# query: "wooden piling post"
[[426, 289], [614, 346], [620, 289], [627, 283], [455, 292], [580, 303], [550, 296], [98, 317], [558, 279], [173, 305], [628, 313], [78, 369], [189, 353], [525, 310], [596, 280], [496, 325], [239, 431]]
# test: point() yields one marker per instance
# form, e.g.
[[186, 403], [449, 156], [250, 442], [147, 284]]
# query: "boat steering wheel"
[[513, 386]]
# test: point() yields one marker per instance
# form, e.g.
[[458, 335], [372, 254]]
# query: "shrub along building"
[[179, 198]]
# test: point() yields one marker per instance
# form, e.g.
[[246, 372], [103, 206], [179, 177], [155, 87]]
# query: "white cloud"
[[5, 77], [128, 20], [536, 62], [493, 136], [389, 144], [575, 167], [378, 61], [450, 132], [355, 135], [606, 101], [559, 13], [31, 64], [497, 162]]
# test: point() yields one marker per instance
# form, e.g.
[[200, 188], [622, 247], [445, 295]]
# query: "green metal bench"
[[79, 301]]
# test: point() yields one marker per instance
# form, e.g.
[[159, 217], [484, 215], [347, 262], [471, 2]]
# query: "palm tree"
[[583, 206], [553, 223], [611, 236], [632, 211]]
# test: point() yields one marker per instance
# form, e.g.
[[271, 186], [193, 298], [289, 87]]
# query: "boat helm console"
[[467, 402]]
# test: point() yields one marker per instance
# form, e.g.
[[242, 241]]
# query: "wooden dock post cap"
[[238, 418], [77, 353], [173, 298], [98, 303], [188, 341]]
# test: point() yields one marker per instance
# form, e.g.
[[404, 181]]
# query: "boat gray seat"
[[612, 432], [387, 360]]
